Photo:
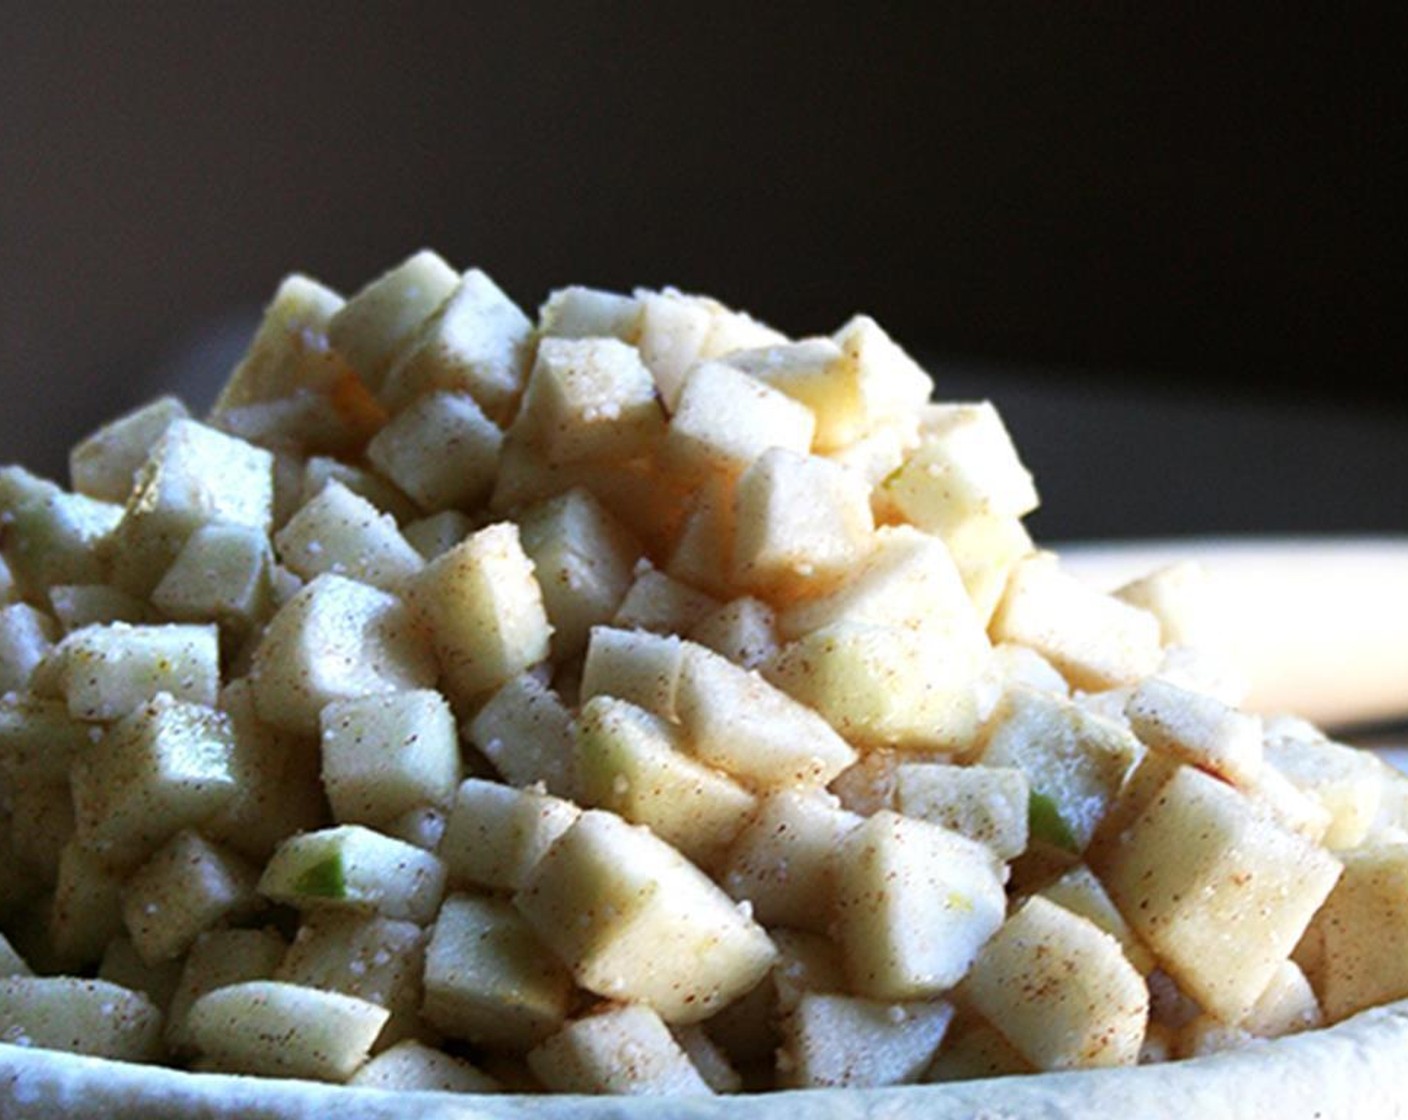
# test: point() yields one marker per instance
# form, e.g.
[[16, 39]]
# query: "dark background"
[[1169, 245]]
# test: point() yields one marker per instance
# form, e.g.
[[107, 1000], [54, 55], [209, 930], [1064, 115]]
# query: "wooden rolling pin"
[[1318, 625]]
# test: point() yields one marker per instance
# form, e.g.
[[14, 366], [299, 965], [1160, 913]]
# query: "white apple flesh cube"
[[744, 726], [290, 351], [223, 574], [1096, 640], [883, 382], [1080, 892], [90, 1017], [1223, 916], [743, 630], [52, 537], [190, 885], [525, 731], [26, 636], [584, 560], [374, 958], [964, 466], [1364, 924], [108, 671], [1348, 784], [985, 550], [353, 868], [495, 834], [633, 762], [86, 912], [914, 905], [485, 612], [1074, 762], [165, 767], [384, 316], [274, 1029], [812, 371], [702, 551], [1061, 990], [726, 419], [438, 532], [658, 602], [105, 464], [319, 470], [412, 1066], [1197, 729], [783, 861], [589, 398], [488, 978], [476, 342], [441, 450], [580, 312], [988, 804], [908, 580], [341, 532], [194, 476], [885, 686], [336, 639], [219, 958], [623, 1050], [802, 522], [634, 665], [842, 1042], [383, 755], [635, 921]]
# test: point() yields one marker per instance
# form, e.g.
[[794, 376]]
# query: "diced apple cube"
[[589, 398], [437, 533], [658, 602], [52, 537], [1080, 892], [1223, 916], [744, 630], [726, 419], [844, 1042], [369, 956], [985, 550], [634, 665], [884, 381], [341, 532], [163, 768], [802, 523], [223, 574], [485, 611], [105, 464], [1197, 729], [26, 636], [1346, 782], [783, 861], [988, 804], [383, 755], [109, 671], [885, 686], [441, 450], [584, 560], [1061, 990], [90, 1017], [219, 958], [739, 723], [476, 342], [193, 476], [623, 1050], [634, 920], [273, 1029], [495, 834], [489, 980], [580, 312], [914, 905], [1364, 926], [965, 466], [411, 1066], [336, 639], [318, 470], [633, 762], [525, 730], [353, 868], [188, 886], [86, 913], [1075, 763], [1096, 640], [376, 323], [702, 552]]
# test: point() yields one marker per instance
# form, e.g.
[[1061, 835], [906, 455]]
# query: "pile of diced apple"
[[637, 701]]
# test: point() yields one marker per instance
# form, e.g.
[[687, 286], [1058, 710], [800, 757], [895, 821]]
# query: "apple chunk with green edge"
[[635, 921], [356, 868]]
